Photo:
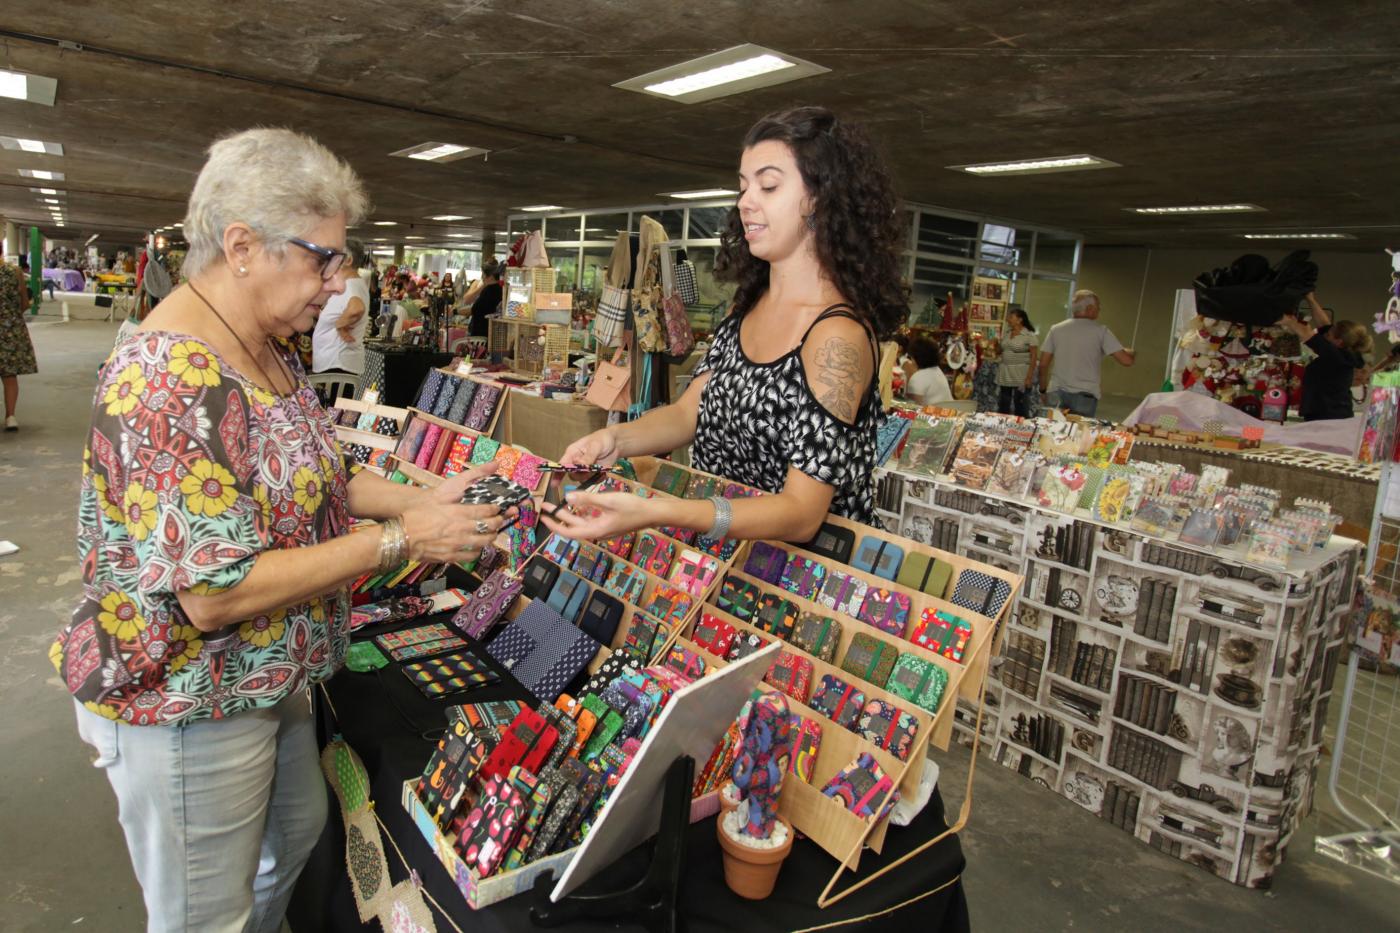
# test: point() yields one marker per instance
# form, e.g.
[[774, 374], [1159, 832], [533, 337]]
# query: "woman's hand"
[[442, 529], [1292, 323], [598, 448], [600, 515]]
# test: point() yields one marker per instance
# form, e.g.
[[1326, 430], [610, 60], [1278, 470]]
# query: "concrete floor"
[[1035, 861]]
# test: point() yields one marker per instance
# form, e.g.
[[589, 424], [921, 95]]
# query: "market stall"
[[67, 280]]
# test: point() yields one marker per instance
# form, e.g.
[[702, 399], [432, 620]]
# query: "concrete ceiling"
[[1294, 106]]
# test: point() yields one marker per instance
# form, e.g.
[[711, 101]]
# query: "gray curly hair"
[[278, 182]]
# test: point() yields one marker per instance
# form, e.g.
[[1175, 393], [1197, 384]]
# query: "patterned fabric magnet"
[[886, 610], [693, 571], [653, 553], [878, 556], [483, 407], [487, 605], [766, 562], [738, 597], [943, 632], [461, 402], [818, 635], [792, 674], [803, 576], [838, 701], [714, 635], [775, 615], [919, 681], [843, 593], [626, 582], [870, 659], [887, 726], [669, 604]]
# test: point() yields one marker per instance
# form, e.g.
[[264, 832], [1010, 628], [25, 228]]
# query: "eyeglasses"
[[331, 259]]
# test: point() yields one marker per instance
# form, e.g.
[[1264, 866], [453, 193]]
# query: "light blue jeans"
[[1084, 404], [219, 816]]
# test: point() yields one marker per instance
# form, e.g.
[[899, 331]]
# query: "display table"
[[398, 371], [394, 729], [67, 280], [1178, 693]]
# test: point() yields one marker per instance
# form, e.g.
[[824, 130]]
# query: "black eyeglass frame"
[[331, 259]]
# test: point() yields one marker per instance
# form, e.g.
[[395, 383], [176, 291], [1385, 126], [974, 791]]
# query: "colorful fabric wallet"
[[870, 659], [887, 610], [919, 681], [878, 556], [817, 635]]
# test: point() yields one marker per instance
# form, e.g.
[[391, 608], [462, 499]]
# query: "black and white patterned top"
[[757, 419]]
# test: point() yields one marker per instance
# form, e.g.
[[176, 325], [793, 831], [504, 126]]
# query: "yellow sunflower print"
[[139, 508], [263, 630], [124, 394], [113, 510], [194, 364], [56, 655], [264, 502], [310, 489], [120, 616], [101, 709], [260, 395], [208, 489], [185, 645]]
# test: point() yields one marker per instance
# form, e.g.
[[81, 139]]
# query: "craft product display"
[[451, 673], [368, 432], [1169, 674]]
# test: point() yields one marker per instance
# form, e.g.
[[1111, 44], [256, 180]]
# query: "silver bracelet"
[[393, 545], [724, 514]]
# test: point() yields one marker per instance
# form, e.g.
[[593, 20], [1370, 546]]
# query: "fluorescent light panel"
[[1297, 236], [386, 223], [20, 144], [451, 217], [1198, 209], [540, 208], [439, 152], [701, 193], [36, 89], [732, 71], [41, 174], [1069, 163]]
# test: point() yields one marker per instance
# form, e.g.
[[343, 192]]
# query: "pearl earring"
[[242, 270]]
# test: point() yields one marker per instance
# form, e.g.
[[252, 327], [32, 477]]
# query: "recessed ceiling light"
[[450, 217], [18, 144], [463, 236], [50, 200], [40, 173], [536, 208], [177, 224], [701, 193], [1297, 236], [732, 71], [1070, 163], [45, 190], [1197, 209], [413, 238], [439, 152], [36, 89], [386, 223]]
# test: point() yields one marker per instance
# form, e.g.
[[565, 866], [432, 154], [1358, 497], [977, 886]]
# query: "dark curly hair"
[[859, 228]]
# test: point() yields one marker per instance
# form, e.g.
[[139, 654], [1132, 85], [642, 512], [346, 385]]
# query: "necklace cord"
[[286, 370]]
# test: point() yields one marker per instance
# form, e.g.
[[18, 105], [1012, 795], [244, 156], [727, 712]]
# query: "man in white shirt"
[[338, 343], [1075, 350]]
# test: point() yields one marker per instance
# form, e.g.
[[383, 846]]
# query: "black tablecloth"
[[394, 729], [404, 369]]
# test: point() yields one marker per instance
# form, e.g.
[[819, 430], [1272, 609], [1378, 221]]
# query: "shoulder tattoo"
[[837, 378]]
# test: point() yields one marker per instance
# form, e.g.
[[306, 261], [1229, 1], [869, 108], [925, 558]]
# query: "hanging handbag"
[[680, 339], [646, 320], [610, 322], [685, 282], [611, 387]]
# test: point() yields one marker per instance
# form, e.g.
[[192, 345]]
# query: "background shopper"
[[928, 385], [1017, 369], [1342, 349], [16, 349], [1076, 349]]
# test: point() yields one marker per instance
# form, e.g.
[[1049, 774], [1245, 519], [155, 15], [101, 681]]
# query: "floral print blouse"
[[191, 471]]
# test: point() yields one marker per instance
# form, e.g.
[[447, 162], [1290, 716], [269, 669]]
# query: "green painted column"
[[36, 268]]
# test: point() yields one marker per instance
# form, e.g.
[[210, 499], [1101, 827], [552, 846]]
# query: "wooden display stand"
[[986, 309], [376, 441], [519, 342]]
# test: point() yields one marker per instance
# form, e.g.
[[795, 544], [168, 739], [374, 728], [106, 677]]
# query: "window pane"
[[604, 226], [715, 296], [522, 225], [1055, 253], [1005, 244], [707, 222], [672, 221], [938, 234], [565, 263], [933, 280], [562, 229], [595, 267]]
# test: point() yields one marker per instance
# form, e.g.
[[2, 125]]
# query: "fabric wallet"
[[805, 748], [870, 659], [539, 577], [745, 644], [483, 407], [887, 726], [925, 574], [919, 681], [653, 553], [943, 632], [738, 597], [601, 617], [620, 546], [803, 576], [792, 674], [427, 395], [445, 396], [626, 582], [765, 562], [461, 402], [833, 541], [818, 635], [693, 571], [888, 611], [592, 565], [487, 604], [561, 652], [775, 615], [563, 551], [568, 595], [878, 556], [863, 788], [843, 593], [714, 635], [980, 592], [671, 479], [685, 662], [641, 636], [702, 487], [669, 604], [838, 701]]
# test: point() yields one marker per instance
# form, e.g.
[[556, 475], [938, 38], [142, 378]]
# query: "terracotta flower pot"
[[726, 805], [751, 872]]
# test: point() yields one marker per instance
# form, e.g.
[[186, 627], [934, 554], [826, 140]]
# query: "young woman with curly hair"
[[786, 399]]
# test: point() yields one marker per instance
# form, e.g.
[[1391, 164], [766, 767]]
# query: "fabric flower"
[[208, 489], [120, 616], [139, 510], [112, 508], [263, 630], [185, 645], [124, 394], [194, 364], [101, 709], [310, 489]]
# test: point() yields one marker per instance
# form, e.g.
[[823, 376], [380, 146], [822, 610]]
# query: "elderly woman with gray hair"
[[213, 534]]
